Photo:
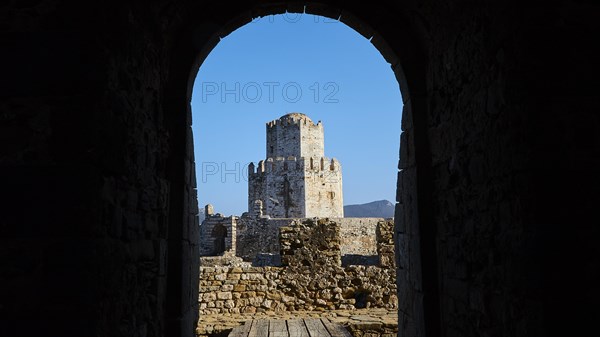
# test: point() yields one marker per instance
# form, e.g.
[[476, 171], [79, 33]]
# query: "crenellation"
[[298, 190], [334, 164]]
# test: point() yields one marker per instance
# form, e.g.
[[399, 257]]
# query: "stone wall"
[[217, 233], [235, 290], [258, 235], [385, 244], [279, 184], [312, 277], [323, 188], [358, 237], [295, 135]]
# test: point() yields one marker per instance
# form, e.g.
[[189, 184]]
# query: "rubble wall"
[[312, 277], [357, 237]]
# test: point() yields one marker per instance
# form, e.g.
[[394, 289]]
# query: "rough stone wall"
[[312, 143], [295, 135], [311, 243], [218, 233], [223, 260], [385, 244], [258, 236], [358, 235], [261, 235], [497, 172], [312, 277], [94, 178], [323, 188], [271, 289], [279, 184]]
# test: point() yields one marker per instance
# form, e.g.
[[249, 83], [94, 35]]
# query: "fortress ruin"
[[296, 181]]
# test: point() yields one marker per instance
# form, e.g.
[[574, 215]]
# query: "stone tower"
[[296, 180]]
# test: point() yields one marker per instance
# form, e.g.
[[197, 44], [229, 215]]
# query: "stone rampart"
[[312, 277], [260, 289], [358, 238]]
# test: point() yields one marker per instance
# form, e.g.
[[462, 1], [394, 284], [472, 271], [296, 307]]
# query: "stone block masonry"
[[312, 278], [358, 237], [296, 180], [217, 233]]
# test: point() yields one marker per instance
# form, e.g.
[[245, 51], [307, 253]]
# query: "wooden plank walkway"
[[298, 327]]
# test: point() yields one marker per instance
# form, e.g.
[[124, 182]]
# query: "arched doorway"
[[397, 36], [219, 235]]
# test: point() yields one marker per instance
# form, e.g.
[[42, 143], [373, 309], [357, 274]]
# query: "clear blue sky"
[[295, 63]]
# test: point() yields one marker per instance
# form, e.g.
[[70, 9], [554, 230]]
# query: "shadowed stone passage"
[[496, 217], [220, 234]]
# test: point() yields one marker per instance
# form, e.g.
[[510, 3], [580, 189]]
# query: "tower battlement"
[[295, 135], [281, 164], [296, 179], [293, 118]]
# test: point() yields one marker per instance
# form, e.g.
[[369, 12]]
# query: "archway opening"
[[243, 86], [414, 230], [219, 235]]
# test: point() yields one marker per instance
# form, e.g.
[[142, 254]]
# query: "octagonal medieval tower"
[[296, 180]]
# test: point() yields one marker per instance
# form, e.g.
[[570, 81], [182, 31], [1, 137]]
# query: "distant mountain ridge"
[[375, 209]]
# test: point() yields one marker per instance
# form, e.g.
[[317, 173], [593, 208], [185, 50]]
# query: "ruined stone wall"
[[261, 289], [385, 244], [312, 277], [358, 235], [261, 235], [258, 236], [218, 233]]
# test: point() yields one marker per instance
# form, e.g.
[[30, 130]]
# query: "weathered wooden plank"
[[277, 328], [297, 328], [335, 329], [241, 330], [316, 328], [260, 328]]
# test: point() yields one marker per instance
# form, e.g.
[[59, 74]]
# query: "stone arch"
[[400, 38]]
